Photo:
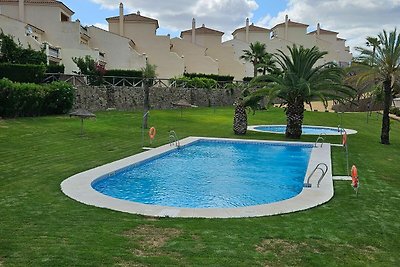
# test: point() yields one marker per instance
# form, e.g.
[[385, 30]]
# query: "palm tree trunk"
[[240, 120], [386, 106], [294, 117], [255, 69]]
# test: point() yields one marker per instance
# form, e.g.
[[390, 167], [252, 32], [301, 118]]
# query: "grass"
[[40, 226]]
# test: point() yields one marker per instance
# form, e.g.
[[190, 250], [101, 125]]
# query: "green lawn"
[[40, 226]]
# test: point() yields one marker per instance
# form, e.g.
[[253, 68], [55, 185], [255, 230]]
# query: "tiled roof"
[[252, 28], [203, 30], [54, 2], [134, 17], [292, 24], [322, 31]]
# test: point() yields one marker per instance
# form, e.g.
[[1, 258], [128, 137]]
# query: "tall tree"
[[255, 55], [301, 81], [385, 71], [149, 73], [374, 43]]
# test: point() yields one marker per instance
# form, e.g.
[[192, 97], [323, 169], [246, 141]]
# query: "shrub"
[[22, 73], [55, 68], [195, 82], [28, 99], [247, 79], [218, 78], [395, 111], [11, 52]]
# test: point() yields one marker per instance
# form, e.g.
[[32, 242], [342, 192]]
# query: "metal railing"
[[78, 80], [323, 173], [320, 140], [173, 139]]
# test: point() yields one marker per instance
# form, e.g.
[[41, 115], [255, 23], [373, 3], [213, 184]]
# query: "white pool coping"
[[253, 128], [79, 188]]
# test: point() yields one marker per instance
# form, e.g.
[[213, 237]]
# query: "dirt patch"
[[130, 264], [280, 245], [148, 240]]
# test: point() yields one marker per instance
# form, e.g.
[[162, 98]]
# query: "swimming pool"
[[306, 129], [213, 174], [224, 185]]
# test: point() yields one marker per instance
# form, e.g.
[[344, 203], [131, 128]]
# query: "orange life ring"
[[354, 176], [152, 133], [344, 139]]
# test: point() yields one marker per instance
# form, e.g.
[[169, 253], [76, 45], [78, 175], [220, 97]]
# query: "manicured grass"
[[40, 226]]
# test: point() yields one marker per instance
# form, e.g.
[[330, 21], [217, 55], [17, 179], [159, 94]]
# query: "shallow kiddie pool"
[[208, 177], [306, 129]]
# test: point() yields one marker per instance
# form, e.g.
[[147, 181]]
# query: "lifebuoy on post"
[[354, 177], [344, 140], [152, 133]]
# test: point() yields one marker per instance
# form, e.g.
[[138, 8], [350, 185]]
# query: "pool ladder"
[[323, 168], [320, 140], [173, 139]]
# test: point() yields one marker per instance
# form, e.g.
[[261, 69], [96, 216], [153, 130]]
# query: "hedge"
[[218, 78], [27, 73], [29, 99], [395, 111], [195, 82], [55, 68]]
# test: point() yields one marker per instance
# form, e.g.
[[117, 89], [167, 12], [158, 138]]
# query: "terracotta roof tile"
[[292, 24], [252, 28], [134, 17], [322, 31], [203, 30], [54, 2]]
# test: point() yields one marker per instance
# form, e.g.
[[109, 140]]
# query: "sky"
[[353, 19]]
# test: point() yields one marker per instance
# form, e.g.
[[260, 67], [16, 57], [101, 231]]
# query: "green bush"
[[29, 99], [195, 82], [22, 73], [55, 68], [11, 52], [395, 111], [218, 78], [247, 79]]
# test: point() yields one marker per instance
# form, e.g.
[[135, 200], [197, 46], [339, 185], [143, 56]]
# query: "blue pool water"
[[213, 174], [310, 130]]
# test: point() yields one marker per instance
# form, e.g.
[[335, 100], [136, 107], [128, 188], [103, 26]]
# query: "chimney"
[[121, 19], [286, 26], [193, 31], [21, 10], [247, 30], [318, 29]]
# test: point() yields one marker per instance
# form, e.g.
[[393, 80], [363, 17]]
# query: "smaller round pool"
[[306, 129]]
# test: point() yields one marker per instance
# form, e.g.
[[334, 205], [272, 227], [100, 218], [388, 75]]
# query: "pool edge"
[[78, 187]]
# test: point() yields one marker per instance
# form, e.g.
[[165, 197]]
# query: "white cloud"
[[101, 26], [353, 19], [176, 15]]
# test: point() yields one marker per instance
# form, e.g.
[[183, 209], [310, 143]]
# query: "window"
[[64, 17]]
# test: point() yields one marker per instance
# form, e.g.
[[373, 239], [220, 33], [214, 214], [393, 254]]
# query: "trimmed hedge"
[[195, 82], [23, 73], [218, 78], [55, 68], [29, 99]]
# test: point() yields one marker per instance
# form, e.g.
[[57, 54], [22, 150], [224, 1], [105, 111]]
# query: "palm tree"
[[255, 55], [240, 118], [149, 73], [300, 82], [385, 71], [374, 42]]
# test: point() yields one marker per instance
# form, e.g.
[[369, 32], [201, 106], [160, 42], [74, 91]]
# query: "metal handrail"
[[173, 139], [318, 167], [319, 139]]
